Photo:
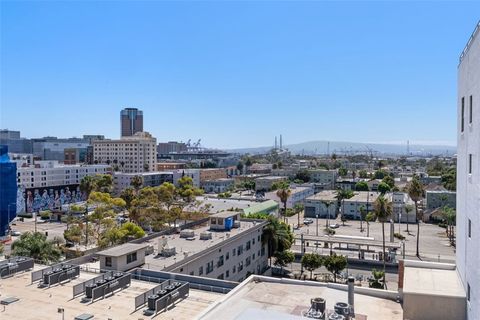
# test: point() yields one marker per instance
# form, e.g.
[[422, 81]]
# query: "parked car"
[[334, 226], [16, 233], [307, 221]]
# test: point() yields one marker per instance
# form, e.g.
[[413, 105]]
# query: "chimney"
[[351, 292]]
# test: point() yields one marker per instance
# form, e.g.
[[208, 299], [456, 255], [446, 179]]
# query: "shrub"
[[330, 231], [399, 236]]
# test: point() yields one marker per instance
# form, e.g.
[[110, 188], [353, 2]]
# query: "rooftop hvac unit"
[[343, 309], [236, 224], [336, 316], [187, 233], [317, 309], [205, 235]]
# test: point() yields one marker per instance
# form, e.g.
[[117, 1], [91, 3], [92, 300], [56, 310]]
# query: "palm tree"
[[277, 236], [136, 182], [327, 205], [341, 196], [415, 191], [363, 213], [383, 210], [284, 193], [408, 209]]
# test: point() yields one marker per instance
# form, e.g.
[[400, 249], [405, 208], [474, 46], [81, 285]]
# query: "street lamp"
[[317, 223]]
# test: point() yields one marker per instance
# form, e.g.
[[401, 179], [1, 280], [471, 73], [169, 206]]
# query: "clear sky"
[[235, 73]]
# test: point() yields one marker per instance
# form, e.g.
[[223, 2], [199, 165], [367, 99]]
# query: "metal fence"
[[81, 287], [111, 286], [142, 299], [16, 264]]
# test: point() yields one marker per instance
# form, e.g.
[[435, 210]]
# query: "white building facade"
[[297, 196], [134, 154], [468, 173]]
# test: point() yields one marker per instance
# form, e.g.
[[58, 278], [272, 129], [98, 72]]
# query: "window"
[[108, 261], [131, 257], [240, 250], [468, 292], [220, 277], [240, 266], [470, 163], [227, 274], [248, 245], [253, 241], [209, 267], [227, 256], [470, 115], [462, 124], [253, 256], [248, 261], [234, 251], [220, 261], [200, 271], [469, 228], [234, 269]]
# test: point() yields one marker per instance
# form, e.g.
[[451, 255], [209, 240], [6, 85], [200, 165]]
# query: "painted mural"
[[49, 198]]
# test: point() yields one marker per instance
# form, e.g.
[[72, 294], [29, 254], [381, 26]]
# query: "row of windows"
[[470, 113]]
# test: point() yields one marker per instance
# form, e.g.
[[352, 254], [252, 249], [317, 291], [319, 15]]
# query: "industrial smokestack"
[[351, 292], [281, 143], [276, 145]]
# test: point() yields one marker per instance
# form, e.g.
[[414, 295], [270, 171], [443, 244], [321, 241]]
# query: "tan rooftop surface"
[[432, 282], [291, 299], [42, 303], [189, 247]]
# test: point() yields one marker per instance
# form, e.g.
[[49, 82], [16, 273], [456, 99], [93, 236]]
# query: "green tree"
[[388, 179], [342, 172], [35, 245], [311, 261], [335, 264], [383, 210], [378, 279], [131, 231], [136, 182], [277, 236], [103, 183], [361, 186], [450, 216], [303, 175], [369, 218], [380, 174], [383, 187], [283, 259], [283, 194], [128, 195], [298, 209], [415, 191], [363, 174], [449, 179], [240, 166]]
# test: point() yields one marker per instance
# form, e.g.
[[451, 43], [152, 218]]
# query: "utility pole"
[[86, 225]]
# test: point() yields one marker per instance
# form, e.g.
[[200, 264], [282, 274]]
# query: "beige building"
[[317, 205], [212, 174], [364, 199], [327, 178], [122, 258], [137, 153], [265, 183]]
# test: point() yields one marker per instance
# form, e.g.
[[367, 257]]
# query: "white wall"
[[468, 185]]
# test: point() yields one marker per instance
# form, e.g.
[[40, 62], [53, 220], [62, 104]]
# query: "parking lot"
[[434, 244]]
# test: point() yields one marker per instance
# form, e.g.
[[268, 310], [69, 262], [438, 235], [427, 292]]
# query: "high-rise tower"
[[131, 121]]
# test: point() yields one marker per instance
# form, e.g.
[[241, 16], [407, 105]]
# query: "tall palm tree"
[[327, 205], [415, 191], [284, 193], [363, 214], [408, 209], [277, 236], [341, 196], [383, 210]]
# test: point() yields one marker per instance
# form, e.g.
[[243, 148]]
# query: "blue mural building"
[[8, 190]]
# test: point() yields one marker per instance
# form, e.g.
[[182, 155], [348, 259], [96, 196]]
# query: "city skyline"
[[235, 75]]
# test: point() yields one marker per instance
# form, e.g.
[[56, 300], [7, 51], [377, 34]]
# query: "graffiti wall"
[[48, 198]]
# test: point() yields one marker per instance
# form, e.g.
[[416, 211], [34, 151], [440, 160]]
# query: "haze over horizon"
[[235, 74]]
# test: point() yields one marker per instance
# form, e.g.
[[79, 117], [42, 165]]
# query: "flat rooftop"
[[364, 196], [42, 303], [272, 298], [293, 190], [327, 195], [122, 249], [219, 205], [273, 178], [191, 246], [430, 281]]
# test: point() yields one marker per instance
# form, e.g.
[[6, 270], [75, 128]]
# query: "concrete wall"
[[423, 307], [468, 185], [120, 263]]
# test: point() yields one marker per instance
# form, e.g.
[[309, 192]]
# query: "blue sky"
[[235, 73]]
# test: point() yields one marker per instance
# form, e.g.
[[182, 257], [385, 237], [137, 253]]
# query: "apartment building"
[[227, 248], [323, 204], [218, 185], [468, 173], [132, 154], [435, 199], [403, 207], [48, 184], [297, 196], [325, 177], [212, 174], [265, 184], [351, 207], [121, 180]]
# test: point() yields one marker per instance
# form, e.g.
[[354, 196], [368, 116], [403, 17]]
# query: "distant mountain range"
[[326, 147]]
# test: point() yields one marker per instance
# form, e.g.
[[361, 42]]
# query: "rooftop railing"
[[470, 40]]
